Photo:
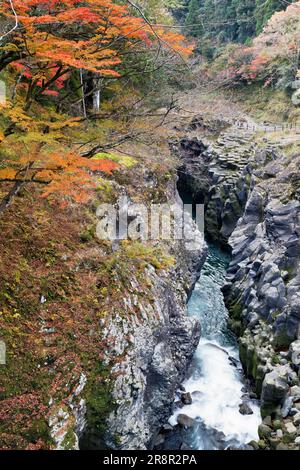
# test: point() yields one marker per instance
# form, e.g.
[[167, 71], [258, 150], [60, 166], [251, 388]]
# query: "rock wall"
[[263, 294], [150, 339], [252, 199], [217, 173], [158, 342]]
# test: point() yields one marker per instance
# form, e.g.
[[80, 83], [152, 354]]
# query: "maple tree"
[[52, 40], [56, 36]]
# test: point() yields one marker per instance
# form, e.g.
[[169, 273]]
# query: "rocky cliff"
[[157, 340], [251, 193], [151, 336], [216, 171], [96, 331], [263, 293]]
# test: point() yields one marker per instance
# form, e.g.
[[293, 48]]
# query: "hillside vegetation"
[[89, 90]]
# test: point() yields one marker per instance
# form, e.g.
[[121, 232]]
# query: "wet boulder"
[[264, 431], [186, 398], [245, 409], [185, 421], [274, 390]]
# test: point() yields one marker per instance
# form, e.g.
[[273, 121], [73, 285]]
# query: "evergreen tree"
[[193, 21], [223, 21], [245, 21], [265, 9]]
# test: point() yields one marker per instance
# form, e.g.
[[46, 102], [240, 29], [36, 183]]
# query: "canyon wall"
[[252, 198]]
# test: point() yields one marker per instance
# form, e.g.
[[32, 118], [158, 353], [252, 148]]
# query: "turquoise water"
[[207, 303], [215, 379]]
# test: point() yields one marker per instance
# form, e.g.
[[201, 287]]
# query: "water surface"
[[215, 378]]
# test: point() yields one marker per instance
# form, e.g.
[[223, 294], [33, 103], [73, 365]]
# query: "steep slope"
[[249, 182]]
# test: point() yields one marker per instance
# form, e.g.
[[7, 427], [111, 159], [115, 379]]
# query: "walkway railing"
[[268, 127]]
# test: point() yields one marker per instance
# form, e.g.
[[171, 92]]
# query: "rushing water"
[[215, 379]]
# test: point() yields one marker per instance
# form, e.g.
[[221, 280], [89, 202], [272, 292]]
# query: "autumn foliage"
[[53, 40], [274, 56]]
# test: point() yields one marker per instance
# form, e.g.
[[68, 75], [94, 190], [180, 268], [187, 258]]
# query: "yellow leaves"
[[7, 174], [17, 115], [122, 160], [72, 122], [9, 47]]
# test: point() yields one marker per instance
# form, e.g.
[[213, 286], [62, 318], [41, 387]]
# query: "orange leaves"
[[175, 41], [63, 175], [106, 166], [69, 178], [53, 39], [39, 152], [7, 174], [57, 31], [84, 35]]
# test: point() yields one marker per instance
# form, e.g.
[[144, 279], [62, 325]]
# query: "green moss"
[[100, 404], [253, 364], [122, 160], [69, 440], [281, 339], [105, 187], [235, 309], [140, 251], [87, 235], [275, 314], [235, 326], [275, 360]]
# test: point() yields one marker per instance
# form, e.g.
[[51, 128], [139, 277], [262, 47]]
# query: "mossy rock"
[[99, 405], [235, 309], [264, 431], [235, 326], [69, 441]]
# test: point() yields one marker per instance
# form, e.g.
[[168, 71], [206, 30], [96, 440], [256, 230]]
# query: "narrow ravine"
[[215, 379]]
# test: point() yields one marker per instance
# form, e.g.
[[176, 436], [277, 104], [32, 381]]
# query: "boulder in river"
[[185, 421], [264, 431], [197, 394], [245, 409], [186, 398]]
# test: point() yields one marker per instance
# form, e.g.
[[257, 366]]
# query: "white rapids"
[[215, 379]]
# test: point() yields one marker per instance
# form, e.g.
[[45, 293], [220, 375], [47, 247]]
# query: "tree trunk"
[[96, 94], [7, 200], [83, 94]]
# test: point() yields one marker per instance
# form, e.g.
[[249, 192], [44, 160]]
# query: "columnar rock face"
[[156, 340], [217, 173], [266, 252], [252, 199], [262, 293]]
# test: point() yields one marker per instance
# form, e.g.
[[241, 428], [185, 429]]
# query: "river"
[[215, 378]]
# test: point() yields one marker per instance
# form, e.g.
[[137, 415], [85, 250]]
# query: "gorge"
[[125, 324], [222, 167], [230, 176]]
